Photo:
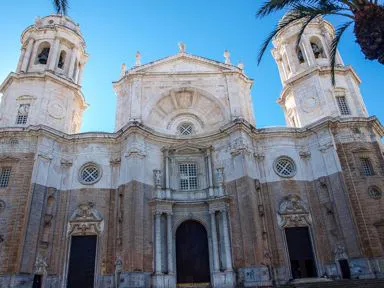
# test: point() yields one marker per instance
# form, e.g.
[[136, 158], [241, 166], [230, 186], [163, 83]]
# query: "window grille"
[[4, 176], [375, 193], [343, 107], [90, 173], [188, 176], [22, 114], [285, 167], [185, 129], [366, 167]]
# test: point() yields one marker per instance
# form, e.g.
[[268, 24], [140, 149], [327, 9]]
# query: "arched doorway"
[[192, 256]]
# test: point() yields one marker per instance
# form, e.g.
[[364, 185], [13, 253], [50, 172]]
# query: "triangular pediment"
[[184, 63]]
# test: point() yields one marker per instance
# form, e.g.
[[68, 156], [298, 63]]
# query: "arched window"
[[300, 56], [317, 48], [43, 53], [61, 62]]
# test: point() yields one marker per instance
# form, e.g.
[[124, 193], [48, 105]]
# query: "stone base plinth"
[[164, 280], [226, 279]]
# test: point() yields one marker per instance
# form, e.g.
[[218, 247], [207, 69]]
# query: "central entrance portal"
[[300, 252], [192, 258], [81, 270]]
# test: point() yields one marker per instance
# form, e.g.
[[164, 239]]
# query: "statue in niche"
[[300, 56], [157, 177]]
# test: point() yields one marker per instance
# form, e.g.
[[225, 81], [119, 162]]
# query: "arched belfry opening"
[[192, 254]]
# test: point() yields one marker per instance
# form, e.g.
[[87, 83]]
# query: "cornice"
[[199, 140], [318, 70], [44, 75]]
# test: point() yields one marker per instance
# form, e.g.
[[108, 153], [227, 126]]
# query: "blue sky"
[[115, 29]]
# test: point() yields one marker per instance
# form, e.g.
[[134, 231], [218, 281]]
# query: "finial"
[[123, 69], [227, 57], [240, 66], [138, 59], [182, 47], [38, 22]]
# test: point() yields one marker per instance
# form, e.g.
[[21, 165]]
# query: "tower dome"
[[305, 71], [46, 86]]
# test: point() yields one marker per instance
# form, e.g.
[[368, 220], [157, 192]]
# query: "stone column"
[[53, 55], [210, 172], [80, 78], [72, 63], [169, 243], [22, 53], [158, 242], [215, 252], [27, 55], [167, 188], [227, 245]]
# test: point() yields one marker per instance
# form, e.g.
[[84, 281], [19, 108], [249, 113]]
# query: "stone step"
[[361, 283], [194, 285]]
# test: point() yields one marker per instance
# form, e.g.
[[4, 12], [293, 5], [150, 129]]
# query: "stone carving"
[[340, 252], [227, 56], [2, 206], [135, 151], [182, 47], [239, 146], [86, 220], [66, 163], [41, 265], [220, 176], [157, 177], [123, 70], [304, 154], [118, 269], [259, 156], [56, 110], [138, 59], [115, 161], [38, 22], [293, 212]]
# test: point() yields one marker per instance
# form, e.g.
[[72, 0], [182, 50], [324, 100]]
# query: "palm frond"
[[335, 41], [289, 18], [64, 6], [271, 6], [57, 6]]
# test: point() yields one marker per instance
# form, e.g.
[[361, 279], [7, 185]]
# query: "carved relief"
[[293, 212], [2, 206], [40, 265], [56, 110], [239, 146], [85, 220]]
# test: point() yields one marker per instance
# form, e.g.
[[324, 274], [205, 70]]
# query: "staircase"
[[361, 283]]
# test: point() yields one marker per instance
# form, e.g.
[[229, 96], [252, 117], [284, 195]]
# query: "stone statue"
[[138, 59], [317, 51], [182, 47], [118, 269], [157, 177], [123, 69], [227, 56]]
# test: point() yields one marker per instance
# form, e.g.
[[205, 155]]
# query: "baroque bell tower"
[[46, 87], [308, 94]]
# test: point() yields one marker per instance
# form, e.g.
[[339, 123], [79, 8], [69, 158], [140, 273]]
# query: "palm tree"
[[61, 6], [366, 15]]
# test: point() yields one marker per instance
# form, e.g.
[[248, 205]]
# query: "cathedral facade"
[[187, 191]]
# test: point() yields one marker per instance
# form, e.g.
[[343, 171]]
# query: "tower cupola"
[[45, 90], [305, 71]]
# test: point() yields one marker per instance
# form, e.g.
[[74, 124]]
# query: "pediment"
[[184, 63]]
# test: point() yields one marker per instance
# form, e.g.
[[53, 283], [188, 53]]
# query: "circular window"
[[89, 173], [284, 167], [375, 192], [185, 128]]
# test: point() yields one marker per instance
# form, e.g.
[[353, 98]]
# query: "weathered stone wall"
[[366, 211], [14, 215]]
